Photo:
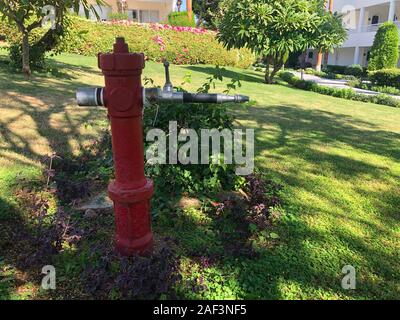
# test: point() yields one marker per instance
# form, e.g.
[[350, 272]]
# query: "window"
[[311, 55], [149, 16], [133, 15], [375, 19]]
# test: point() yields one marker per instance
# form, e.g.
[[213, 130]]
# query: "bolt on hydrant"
[[124, 97]]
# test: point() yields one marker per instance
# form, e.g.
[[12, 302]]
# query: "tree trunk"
[[318, 66], [277, 62], [267, 73], [25, 54]]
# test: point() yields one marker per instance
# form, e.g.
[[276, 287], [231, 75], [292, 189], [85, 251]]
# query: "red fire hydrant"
[[124, 97], [131, 191]]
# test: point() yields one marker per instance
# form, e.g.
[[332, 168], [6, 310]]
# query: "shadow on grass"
[[16, 247], [29, 107], [323, 146]]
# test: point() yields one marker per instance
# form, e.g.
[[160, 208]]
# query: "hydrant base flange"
[[130, 247], [133, 222], [132, 195]]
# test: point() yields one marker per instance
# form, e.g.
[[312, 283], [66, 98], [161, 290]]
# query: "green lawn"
[[339, 162]]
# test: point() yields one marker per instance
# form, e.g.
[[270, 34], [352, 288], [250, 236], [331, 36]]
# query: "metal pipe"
[[156, 95], [93, 96], [168, 84], [90, 96]]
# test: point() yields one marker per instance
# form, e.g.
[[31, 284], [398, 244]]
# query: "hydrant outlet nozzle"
[[90, 97]]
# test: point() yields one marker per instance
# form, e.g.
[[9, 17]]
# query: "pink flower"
[[158, 26], [159, 40]]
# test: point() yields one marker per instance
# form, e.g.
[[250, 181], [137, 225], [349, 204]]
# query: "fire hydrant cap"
[[120, 59]]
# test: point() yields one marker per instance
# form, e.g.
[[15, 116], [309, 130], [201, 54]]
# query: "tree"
[[273, 29], [385, 49], [28, 15], [206, 11]]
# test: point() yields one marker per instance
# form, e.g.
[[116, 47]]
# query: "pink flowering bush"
[[157, 26], [179, 45], [160, 42]]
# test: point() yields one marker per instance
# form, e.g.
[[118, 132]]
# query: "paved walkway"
[[338, 83]]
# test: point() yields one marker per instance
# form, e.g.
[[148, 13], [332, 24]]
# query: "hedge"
[[355, 70], [335, 69], [181, 19], [180, 45], [348, 94], [385, 77]]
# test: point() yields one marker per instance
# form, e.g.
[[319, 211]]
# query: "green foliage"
[[348, 94], [314, 72], [386, 89], [89, 38], [330, 32], [26, 16], [193, 178], [181, 19], [274, 29], [385, 77], [36, 54], [335, 69], [118, 16], [206, 12], [385, 50], [357, 83], [287, 76], [355, 70]]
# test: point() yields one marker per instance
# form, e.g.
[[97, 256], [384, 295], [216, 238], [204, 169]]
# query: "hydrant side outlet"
[[131, 191]]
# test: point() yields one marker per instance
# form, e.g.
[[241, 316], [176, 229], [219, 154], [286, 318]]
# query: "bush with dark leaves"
[[48, 231], [138, 277]]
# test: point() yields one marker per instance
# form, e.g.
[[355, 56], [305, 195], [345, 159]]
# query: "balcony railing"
[[375, 27]]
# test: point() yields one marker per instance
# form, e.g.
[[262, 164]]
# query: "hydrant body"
[[131, 191]]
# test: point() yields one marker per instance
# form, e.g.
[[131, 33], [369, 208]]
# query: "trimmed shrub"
[[335, 69], [385, 77], [348, 94], [385, 50], [354, 70], [356, 83], [118, 16], [181, 19], [180, 45], [286, 76], [386, 89]]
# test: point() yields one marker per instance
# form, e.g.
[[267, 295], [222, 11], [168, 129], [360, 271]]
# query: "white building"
[[143, 11], [362, 18]]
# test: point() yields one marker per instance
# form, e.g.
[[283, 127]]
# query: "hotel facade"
[[362, 19]]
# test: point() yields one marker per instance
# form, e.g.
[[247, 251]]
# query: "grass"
[[339, 161]]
